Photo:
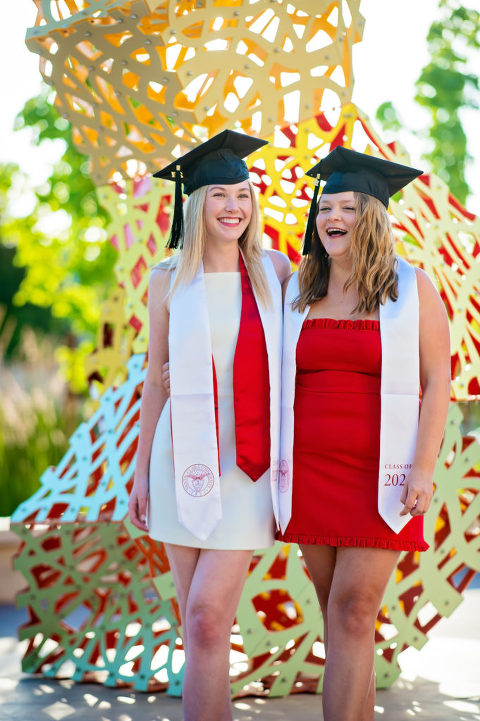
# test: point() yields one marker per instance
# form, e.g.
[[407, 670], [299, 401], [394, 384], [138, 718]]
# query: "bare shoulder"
[[426, 289], [281, 264], [429, 298]]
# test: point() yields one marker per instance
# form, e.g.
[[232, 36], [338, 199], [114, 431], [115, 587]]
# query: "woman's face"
[[228, 209], [335, 220]]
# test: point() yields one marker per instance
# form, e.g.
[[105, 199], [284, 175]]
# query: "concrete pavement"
[[439, 683]]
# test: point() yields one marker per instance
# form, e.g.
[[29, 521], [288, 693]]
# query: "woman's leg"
[[209, 596], [183, 561], [369, 705], [359, 581], [320, 562]]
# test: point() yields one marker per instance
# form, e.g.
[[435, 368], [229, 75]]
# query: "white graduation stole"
[[292, 325], [195, 451], [399, 393], [400, 382]]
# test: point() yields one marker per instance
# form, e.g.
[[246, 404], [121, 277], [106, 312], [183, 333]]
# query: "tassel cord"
[[307, 241], [177, 230]]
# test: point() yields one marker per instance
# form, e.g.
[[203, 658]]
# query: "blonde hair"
[[187, 261], [373, 260]]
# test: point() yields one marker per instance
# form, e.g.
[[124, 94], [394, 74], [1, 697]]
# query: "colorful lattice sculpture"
[[433, 230], [140, 82], [89, 582], [278, 616], [138, 230], [107, 623]]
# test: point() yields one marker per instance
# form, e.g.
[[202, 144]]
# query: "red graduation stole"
[[251, 387]]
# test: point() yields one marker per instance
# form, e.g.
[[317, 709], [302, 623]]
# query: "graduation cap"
[[218, 160], [345, 169]]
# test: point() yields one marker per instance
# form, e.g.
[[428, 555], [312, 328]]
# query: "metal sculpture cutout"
[[141, 82]]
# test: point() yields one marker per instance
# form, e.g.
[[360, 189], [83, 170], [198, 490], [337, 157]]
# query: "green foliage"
[[14, 318], [444, 88], [37, 417], [53, 278], [23, 460], [388, 116], [61, 245]]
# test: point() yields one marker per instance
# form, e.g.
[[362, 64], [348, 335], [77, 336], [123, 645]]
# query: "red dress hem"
[[391, 544]]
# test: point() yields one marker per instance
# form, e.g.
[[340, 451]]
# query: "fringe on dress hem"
[[389, 544]]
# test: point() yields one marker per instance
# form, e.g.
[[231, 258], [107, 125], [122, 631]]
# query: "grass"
[[37, 417]]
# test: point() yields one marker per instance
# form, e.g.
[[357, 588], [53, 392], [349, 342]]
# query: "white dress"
[[247, 515]]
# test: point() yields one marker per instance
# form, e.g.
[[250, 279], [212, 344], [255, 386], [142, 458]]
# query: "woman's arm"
[[281, 264], [154, 395], [435, 384], [285, 286]]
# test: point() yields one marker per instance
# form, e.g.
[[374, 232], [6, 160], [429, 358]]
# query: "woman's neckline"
[[344, 320], [348, 324], [222, 272]]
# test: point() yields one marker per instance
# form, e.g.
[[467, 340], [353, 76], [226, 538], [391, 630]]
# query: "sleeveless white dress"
[[247, 515]]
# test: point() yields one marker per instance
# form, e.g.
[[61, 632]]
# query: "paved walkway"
[[439, 683]]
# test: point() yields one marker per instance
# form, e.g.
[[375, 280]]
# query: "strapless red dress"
[[337, 440]]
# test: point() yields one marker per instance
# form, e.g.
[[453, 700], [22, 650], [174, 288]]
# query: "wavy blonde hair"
[[187, 261], [373, 260]]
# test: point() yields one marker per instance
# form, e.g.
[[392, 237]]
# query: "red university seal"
[[283, 477], [197, 480]]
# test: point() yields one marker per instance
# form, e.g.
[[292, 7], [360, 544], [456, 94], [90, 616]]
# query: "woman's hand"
[[137, 505], [166, 377], [417, 493]]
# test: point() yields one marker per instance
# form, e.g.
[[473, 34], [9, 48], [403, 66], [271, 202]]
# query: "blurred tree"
[[14, 317], [60, 247], [388, 116], [444, 89]]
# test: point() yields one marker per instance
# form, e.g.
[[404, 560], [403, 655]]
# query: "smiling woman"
[[228, 210], [216, 316], [363, 330], [336, 219]]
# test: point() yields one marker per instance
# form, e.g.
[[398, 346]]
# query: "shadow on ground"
[[439, 683], [33, 698]]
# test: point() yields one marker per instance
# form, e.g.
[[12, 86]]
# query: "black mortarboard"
[[345, 169], [218, 160]]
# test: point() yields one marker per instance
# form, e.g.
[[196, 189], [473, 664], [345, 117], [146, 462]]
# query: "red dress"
[[337, 440]]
